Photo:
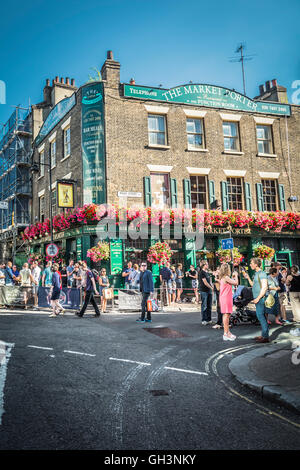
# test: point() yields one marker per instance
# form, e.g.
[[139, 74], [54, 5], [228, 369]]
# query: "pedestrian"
[[146, 288], [259, 286], [126, 275], [16, 273], [9, 275], [70, 270], [193, 275], [179, 282], [293, 283], [216, 283], [47, 275], [104, 284], [273, 287], [36, 275], [55, 292], [134, 278], [2, 279], [173, 284], [165, 277], [26, 280], [90, 290], [206, 290], [77, 279], [282, 294], [64, 276], [226, 298]]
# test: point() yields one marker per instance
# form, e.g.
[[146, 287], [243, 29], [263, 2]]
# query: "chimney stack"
[[274, 82], [67, 81], [72, 82], [47, 82], [132, 81], [268, 85], [57, 79], [110, 55], [62, 80], [261, 89]]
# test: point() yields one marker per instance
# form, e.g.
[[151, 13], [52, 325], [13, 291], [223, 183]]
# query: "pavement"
[[273, 370]]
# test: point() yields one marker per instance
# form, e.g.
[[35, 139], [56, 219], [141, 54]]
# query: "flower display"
[[224, 256], [263, 252], [36, 257], [100, 252], [159, 253], [92, 213]]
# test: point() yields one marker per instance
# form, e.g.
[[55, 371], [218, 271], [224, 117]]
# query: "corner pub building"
[[192, 144]]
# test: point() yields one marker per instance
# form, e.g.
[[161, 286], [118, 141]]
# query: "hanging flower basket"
[[100, 252], [224, 256], [263, 252], [159, 253]]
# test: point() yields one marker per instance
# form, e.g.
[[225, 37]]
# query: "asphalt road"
[[107, 383]]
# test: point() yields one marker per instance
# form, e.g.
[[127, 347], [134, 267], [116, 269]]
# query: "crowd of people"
[[281, 284]]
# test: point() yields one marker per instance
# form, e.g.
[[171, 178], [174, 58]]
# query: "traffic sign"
[[227, 244], [52, 250], [3, 205]]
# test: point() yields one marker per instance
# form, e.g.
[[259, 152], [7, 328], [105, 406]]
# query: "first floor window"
[[198, 191], [264, 139], [231, 136], [269, 195], [53, 201], [157, 129], [160, 190], [67, 142], [235, 193], [42, 208], [194, 129]]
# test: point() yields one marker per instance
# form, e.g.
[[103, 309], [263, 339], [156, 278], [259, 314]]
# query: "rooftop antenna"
[[240, 50]]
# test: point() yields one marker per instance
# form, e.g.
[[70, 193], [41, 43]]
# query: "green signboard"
[[116, 256], [208, 96], [93, 146], [79, 248]]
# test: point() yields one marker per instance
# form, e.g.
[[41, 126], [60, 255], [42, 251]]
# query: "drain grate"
[[166, 332], [157, 393]]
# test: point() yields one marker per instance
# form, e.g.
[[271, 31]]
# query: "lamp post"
[[35, 168]]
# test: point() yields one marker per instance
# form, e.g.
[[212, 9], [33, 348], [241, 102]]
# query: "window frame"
[[165, 206], [52, 144], [67, 143], [42, 208], [237, 137], [276, 195], [231, 194], [270, 140], [155, 132], [202, 133], [197, 192], [42, 163]]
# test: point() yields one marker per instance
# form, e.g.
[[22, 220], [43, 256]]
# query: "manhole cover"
[[166, 332], [157, 393]]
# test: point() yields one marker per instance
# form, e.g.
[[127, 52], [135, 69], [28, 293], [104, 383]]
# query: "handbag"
[[270, 300], [108, 293], [149, 305]]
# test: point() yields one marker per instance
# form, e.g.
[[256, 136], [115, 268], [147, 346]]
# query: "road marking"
[[128, 360], [188, 371], [80, 353], [5, 353], [39, 347]]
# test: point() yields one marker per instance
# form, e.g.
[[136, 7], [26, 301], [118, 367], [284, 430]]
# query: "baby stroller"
[[243, 314]]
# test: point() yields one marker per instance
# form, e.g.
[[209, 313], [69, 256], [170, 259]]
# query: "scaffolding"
[[15, 181]]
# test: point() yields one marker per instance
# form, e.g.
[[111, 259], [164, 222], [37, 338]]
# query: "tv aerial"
[[240, 50]]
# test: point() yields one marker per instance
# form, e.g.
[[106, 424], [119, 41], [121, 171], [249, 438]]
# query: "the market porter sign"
[[92, 140], [206, 95]]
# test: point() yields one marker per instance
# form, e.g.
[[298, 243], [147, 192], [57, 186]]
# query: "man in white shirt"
[[36, 275]]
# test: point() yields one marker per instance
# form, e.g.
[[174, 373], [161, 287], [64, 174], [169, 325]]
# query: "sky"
[[165, 42]]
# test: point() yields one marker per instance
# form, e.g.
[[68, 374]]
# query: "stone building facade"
[[193, 144]]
